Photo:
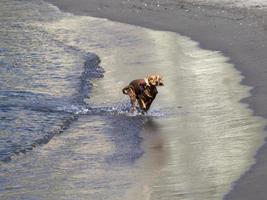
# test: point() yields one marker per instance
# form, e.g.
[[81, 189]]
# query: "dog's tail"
[[126, 89]]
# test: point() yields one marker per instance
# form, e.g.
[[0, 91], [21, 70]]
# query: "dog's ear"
[[160, 81]]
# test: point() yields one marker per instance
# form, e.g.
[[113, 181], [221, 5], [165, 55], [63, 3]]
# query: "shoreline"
[[239, 34]]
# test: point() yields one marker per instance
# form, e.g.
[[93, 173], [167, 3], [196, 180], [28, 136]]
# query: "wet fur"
[[146, 96]]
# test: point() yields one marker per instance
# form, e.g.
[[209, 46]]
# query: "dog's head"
[[155, 80]]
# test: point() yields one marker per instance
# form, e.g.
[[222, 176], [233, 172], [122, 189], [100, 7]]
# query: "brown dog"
[[144, 91]]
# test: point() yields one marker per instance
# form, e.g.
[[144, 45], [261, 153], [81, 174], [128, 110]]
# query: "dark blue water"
[[38, 75]]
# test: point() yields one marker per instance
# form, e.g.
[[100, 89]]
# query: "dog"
[[144, 91]]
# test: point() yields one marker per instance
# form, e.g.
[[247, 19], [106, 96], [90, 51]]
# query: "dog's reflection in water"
[[152, 134], [152, 162]]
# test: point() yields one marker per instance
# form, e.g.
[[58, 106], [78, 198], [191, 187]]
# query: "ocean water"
[[65, 129]]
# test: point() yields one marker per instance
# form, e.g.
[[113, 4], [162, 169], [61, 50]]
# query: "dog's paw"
[[132, 110]]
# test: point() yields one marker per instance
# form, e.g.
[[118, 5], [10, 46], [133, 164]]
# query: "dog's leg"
[[142, 104], [148, 104], [132, 96]]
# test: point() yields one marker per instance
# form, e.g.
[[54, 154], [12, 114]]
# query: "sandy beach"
[[65, 127], [237, 31]]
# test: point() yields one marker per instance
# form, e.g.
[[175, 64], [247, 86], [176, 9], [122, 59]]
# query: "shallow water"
[[65, 128]]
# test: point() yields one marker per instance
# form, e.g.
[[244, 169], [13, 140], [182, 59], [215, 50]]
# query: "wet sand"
[[239, 33]]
